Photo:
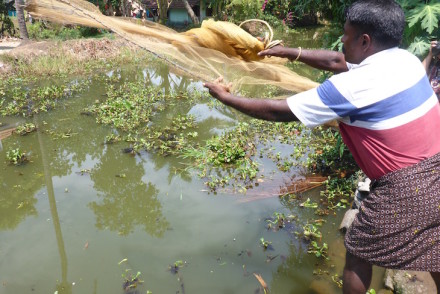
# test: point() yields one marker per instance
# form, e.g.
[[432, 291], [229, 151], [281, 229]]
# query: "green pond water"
[[82, 215]]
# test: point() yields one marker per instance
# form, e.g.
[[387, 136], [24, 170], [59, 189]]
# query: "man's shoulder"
[[387, 64], [382, 76]]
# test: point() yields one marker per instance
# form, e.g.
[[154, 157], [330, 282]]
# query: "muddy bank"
[[75, 50], [7, 44], [83, 49]]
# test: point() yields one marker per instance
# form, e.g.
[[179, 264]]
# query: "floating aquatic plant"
[[16, 156]]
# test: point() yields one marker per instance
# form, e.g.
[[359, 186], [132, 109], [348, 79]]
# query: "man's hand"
[[217, 89], [278, 51], [427, 61], [433, 44], [267, 109]]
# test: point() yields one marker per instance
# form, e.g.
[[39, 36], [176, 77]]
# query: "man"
[[389, 118]]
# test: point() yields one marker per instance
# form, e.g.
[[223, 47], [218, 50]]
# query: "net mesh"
[[215, 49]]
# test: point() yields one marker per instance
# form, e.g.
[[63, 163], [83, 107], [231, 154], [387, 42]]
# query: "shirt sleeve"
[[312, 107]]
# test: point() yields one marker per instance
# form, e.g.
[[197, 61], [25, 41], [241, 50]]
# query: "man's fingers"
[[263, 53], [228, 87], [218, 80], [218, 87]]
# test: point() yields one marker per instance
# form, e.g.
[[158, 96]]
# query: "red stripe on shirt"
[[383, 151]]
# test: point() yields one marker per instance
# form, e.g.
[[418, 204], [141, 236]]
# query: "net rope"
[[215, 49]]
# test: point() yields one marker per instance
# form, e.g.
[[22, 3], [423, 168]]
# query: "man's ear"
[[366, 41]]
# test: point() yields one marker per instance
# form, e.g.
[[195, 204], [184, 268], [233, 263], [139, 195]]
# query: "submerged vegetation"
[[130, 280]]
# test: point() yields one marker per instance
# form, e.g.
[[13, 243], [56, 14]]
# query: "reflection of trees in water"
[[176, 167], [17, 203], [17, 199], [18, 185], [62, 154], [291, 271], [64, 287], [300, 270], [167, 80], [127, 202], [81, 144]]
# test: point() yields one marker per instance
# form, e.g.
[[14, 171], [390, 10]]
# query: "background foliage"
[[422, 25], [6, 25], [422, 17], [42, 30]]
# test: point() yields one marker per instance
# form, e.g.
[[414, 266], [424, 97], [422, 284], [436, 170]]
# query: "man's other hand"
[[217, 88]]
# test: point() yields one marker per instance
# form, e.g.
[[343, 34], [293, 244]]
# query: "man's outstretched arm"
[[266, 109], [321, 59]]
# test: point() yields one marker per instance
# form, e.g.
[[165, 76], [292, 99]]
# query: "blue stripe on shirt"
[[390, 107], [331, 97]]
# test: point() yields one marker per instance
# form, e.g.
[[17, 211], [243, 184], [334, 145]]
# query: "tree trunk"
[[191, 13], [162, 6], [21, 21], [124, 8]]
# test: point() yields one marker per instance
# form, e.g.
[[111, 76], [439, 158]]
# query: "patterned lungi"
[[398, 224]]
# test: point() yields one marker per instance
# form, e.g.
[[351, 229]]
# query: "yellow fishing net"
[[215, 49]]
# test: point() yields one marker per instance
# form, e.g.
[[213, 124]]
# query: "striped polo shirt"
[[388, 114]]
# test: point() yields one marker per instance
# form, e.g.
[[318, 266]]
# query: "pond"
[[83, 216]]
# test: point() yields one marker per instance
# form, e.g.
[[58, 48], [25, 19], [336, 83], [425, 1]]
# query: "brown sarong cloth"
[[398, 224]]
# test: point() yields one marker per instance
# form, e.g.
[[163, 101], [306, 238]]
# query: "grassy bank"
[[73, 57]]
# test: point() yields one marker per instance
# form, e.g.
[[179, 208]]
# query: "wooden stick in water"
[[6, 133], [300, 186]]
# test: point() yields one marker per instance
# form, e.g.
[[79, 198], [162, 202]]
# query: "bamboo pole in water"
[[300, 186], [6, 133]]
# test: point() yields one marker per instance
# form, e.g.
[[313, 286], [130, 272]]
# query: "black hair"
[[382, 20]]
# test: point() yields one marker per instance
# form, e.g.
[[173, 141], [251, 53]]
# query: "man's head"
[[372, 26]]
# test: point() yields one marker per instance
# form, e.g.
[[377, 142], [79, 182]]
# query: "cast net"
[[215, 49]]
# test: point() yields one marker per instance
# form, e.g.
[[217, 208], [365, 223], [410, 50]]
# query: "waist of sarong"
[[430, 164]]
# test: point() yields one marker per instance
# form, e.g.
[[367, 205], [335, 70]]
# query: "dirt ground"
[[82, 49], [7, 45]]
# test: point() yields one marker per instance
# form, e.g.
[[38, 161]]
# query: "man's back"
[[396, 113], [387, 109]]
